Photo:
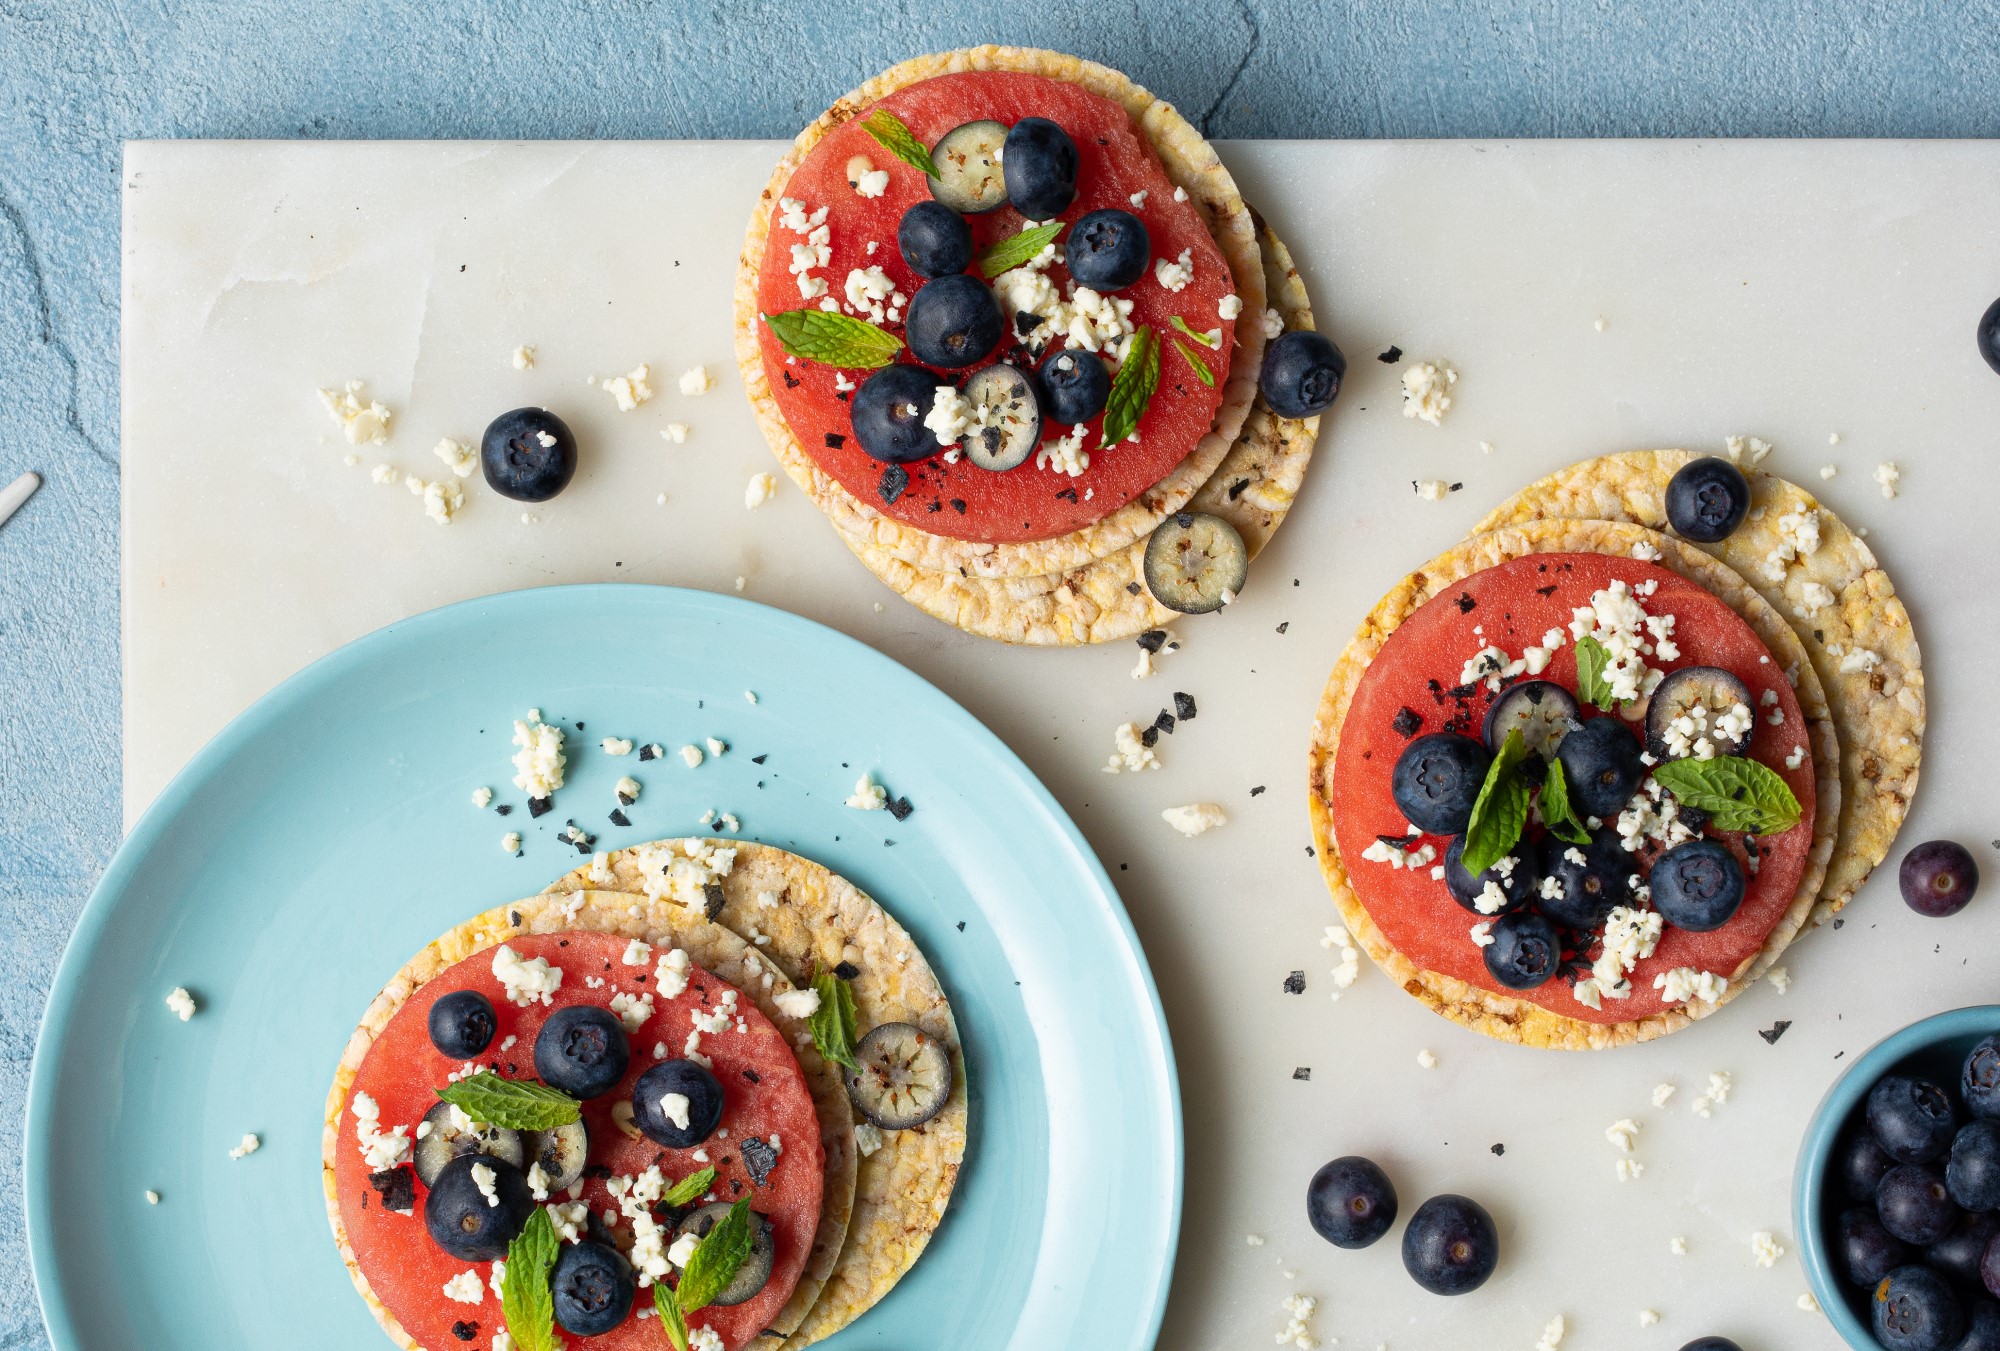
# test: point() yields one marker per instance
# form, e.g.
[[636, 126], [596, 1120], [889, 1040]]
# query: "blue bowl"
[[1934, 1048]]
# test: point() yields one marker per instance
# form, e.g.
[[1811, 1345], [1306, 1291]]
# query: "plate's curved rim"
[[67, 985]]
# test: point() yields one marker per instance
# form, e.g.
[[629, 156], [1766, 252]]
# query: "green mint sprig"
[[1500, 812], [834, 339], [517, 1104], [1004, 255], [690, 1188], [1734, 793], [526, 1300], [890, 133], [668, 1306], [1132, 389]]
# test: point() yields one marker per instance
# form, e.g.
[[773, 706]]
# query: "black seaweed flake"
[[961, 926], [1165, 722], [504, 809], [541, 806], [1399, 841], [1132, 588], [598, 1171], [1152, 639], [1466, 604], [1499, 1150], [1067, 494], [1295, 983], [1302, 1073], [1775, 1031], [514, 918], [958, 505], [464, 1331], [648, 752], [834, 440], [1258, 789], [1236, 488], [1407, 722], [760, 759], [753, 1076], [713, 895], [894, 480], [578, 836], [1392, 356], [847, 970], [899, 807], [1184, 706], [791, 381], [396, 1186], [1150, 737], [1282, 627], [758, 1159], [619, 818]]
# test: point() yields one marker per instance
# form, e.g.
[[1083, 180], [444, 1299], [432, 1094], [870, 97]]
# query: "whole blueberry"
[[1107, 250], [582, 1050], [1982, 1325], [1865, 1251], [1979, 1081], [528, 454], [1302, 373], [1711, 1344], [1437, 779], [1915, 1310], [1351, 1202], [1973, 1170], [462, 1024], [1590, 880], [461, 1217], [1861, 1163], [1525, 951], [1915, 1204], [593, 1287], [889, 412], [1451, 1246], [1959, 1253], [934, 240], [1513, 879], [1075, 386], [1040, 161], [677, 1103], [1697, 885], [1989, 335], [1707, 499], [1911, 1118], [1601, 767], [1937, 878], [953, 322]]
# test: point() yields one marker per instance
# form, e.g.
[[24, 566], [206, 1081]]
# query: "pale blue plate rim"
[[69, 984]]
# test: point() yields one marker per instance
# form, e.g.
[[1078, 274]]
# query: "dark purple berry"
[[1938, 877]]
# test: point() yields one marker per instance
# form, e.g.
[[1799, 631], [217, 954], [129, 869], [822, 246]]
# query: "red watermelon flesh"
[[402, 1071], [1419, 668], [1116, 163]]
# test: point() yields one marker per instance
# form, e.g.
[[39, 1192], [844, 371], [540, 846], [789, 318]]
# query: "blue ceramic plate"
[[327, 835]]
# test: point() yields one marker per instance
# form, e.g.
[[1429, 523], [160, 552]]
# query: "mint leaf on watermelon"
[[668, 1306], [525, 1298], [1591, 661], [1557, 814], [690, 1188], [1182, 326], [1734, 793], [517, 1104], [1004, 255], [1201, 370], [1132, 388], [833, 1024], [717, 1258], [890, 133], [1500, 812], [834, 339]]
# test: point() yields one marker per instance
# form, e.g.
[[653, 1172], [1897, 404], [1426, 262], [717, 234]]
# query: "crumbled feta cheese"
[[1664, 1093], [868, 795], [1860, 661], [759, 491], [705, 1339], [485, 1179], [670, 974], [1552, 1335], [1798, 537], [1065, 454], [380, 1149], [632, 1010], [361, 423], [866, 180], [1175, 273], [1746, 451], [458, 457], [691, 756], [538, 764], [1888, 474], [152, 1197], [1827, 471], [1427, 1059], [1195, 818], [1623, 1134], [1229, 307], [1765, 1248], [638, 952], [1780, 978], [674, 1107], [465, 1288], [1807, 1304], [1432, 489], [1482, 934], [180, 1003], [1427, 391], [616, 745], [1630, 1170], [1646, 551], [524, 358], [1677, 1246], [696, 381], [1298, 1310], [629, 390], [442, 500], [1648, 1317], [1685, 983], [247, 1146], [510, 843], [1137, 199], [1399, 855], [482, 798], [1274, 325], [525, 982], [1130, 753]]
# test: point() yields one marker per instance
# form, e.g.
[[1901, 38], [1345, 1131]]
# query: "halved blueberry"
[[1697, 707], [1010, 417], [582, 1050], [1707, 499], [1515, 878], [1040, 163], [1351, 1202], [1542, 711], [1107, 250], [462, 1023], [903, 1076], [889, 412], [755, 1272], [1437, 779], [967, 159], [1979, 1081], [561, 1153], [1602, 767], [447, 1139], [1865, 1251], [1697, 885], [593, 1286], [1195, 562], [934, 240], [1915, 1204], [476, 1207], [677, 1103], [1973, 1169], [527, 454], [1937, 878], [1911, 1118], [953, 322], [1077, 384], [1590, 880], [1302, 373], [1915, 1310], [1451, 1246], [1525, 951]]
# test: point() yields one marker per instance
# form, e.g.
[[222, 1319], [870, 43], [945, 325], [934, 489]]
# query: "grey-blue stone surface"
[[78, 77]]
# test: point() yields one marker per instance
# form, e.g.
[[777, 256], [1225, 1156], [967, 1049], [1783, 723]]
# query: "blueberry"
[[1075, 385], [582, 1051], [694, 1118], [1302, 373], [1707, 499], [1989, 335], [1601, 767], [1914, 1310], [1107, 250], [1451, 1246], [889, 412], [462, 1024], [1973, 1170], [1959, 1252], [593, 1288], [1697, 885], [1525, 951], [1979, 1082], [1592, 879], [1437, 779], [1711, 1344], [953, 322], [934, 240], [1515, 877], [1911, 1118], [1351, 1202], [1915, 1204], [1982, 1325], [1862, 1163], [528, 454], [1938, 877], [1039, 161], [1867, 1252], [460, 1218]]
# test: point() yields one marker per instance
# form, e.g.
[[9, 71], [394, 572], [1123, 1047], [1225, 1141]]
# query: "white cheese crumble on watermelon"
[[525, 982]]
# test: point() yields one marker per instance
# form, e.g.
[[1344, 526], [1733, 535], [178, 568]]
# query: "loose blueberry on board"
[[1601, 763], [1989, 335], [1587, 891], [1979, 1081], [561, 1153], [593, 1288], [889, 414], [934, 240], [1862, 1163], [1040, 163], [756, 1269], [1938, 877], [528, 454], [1697, 885], [967, 158], [1911, 1118], [685, 1079], [1351, 1202], [1711, 1344], [1302, 374], [1195, 563], [1010, 426], [953, 322], [1866, 1251], [460, 1218], [1542, 711], [1075, 384], [1915, 1310], [1107, 250], [447, 1140], [903, 1076], [1517, 883], [1437, 779], [1451, 1246], [462, 1023], [1973, 1169], [582, 1050], [1959, 1252], [1915, 1204], [1982, 1325], [1525, 951], [1700, 694], [1707, 499]]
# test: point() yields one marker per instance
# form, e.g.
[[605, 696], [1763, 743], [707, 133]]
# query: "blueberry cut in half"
[[889, 412], [527, 454], [677, 1103], [1451, 1246], [1525, 951], [1351, 1202], [1911, 1118], [1107, 250], [459, 1216], [1437, 779], [1707, 499], [1075, 386], [593, 1286], [953, 322], [1914, 1309], [934, 240], [582, 1050], [1698, 885], [1542, 711], [1302, 374], [1040, 161], [1601, 766], [462, 1023]]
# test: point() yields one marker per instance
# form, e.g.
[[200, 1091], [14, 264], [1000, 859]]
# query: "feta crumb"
[[638, 952], [525, 982], [865, 178], [1427, 391], [1746, 451], [247, 1146], [1130, 753], [1888, 474], [797, 1003], [1780, 978], [180, 1003], [465, 1288], [1254, 1240], [1623, 1134], [868, 795], [1552, 1335], [629, 390], [616, 745], [1432, 489], [1664, 1094], [1195, 818], [510, 843], [1765, 1248], [361, 423], [458, 457], [1648, 1317], [1827, 471], [676, 432], [482, 798], [539, 763], [1678, 1246], [691, 756], [1175, 273], [1427, 1059], [1807, 1304], [762, 485], [697, 381], [524, 358], [152, 1197], [1229, 306]]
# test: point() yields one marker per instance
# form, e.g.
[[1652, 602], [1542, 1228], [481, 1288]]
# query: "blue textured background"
[[77, 77]]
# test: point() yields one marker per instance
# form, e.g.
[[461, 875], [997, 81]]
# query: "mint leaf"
[[1734, 793], [832, 1024], [1591, 661], [690, 1188], [525, 1298], [1500, 812], [668, 1306], [1202, 338], [1005, 255], [717, 1257], [1201, 370], [1557, 814], [834, 339], [517, 1104], [1132, 389], [890, 133]]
